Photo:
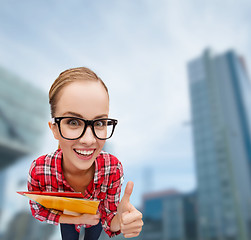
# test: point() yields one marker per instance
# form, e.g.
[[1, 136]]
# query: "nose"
[[88, 138]]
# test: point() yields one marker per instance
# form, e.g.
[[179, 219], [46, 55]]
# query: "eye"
[[100, 123], [73, 122]]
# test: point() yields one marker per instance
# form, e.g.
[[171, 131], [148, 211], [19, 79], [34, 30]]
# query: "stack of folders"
[[71, 203]]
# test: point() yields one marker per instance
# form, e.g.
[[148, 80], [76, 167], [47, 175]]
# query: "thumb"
[[128, 191]]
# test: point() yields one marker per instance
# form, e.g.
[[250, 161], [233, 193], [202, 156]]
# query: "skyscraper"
[[220, 94], [169, 215], [23, 110]]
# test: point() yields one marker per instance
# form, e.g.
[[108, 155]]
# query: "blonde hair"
[[67, 77]]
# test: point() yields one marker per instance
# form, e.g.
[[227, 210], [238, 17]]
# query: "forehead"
[[88, 99]]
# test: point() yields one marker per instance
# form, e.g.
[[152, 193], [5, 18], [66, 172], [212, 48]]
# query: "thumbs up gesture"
[[130, 219]]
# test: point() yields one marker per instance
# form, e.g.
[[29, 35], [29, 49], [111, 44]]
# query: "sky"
[[140, 49]]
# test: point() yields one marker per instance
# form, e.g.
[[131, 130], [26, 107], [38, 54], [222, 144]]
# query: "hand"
[[130, 219], [89, 219]]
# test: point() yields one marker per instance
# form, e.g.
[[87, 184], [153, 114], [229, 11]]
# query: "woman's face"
[[87, 100]]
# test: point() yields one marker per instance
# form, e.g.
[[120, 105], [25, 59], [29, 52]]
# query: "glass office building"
[[23, 109], [220, 95], [169, 216]]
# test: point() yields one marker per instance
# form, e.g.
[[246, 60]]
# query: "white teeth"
[[84, 152]]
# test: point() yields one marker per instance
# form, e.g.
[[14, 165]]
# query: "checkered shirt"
[[46, 175]]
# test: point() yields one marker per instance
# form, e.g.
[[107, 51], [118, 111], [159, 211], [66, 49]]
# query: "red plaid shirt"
[[46, 175]]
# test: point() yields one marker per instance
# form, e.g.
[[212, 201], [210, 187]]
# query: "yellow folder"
[[69, 205]]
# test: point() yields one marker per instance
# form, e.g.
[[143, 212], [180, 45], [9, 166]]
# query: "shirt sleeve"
[[39, 212], [112, 200]]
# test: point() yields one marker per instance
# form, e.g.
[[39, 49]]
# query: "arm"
[[39, 212], [49, 215], [89, 219], [108, 207], [128, 218]]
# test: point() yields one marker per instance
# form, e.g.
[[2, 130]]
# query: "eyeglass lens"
[[72, 128]]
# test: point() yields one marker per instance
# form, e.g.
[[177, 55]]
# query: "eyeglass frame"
[[57, 120]]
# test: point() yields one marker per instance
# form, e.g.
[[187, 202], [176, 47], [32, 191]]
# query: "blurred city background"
[[177, 73]]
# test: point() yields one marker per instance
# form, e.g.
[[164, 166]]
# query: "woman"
[[79, 102]]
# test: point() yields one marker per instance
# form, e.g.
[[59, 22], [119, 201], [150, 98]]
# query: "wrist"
[[68, 219], [115, 224]]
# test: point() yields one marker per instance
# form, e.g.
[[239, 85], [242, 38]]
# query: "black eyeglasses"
[[72, 128]]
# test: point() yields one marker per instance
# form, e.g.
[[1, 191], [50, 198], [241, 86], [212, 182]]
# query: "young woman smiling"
[[80, 122]]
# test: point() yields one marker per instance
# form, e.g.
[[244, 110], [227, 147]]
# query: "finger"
[[132, 227], [128, 191], [131, 235], [135, 230], [129, 217], [96, 222]]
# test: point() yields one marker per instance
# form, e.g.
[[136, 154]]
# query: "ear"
[[54, 130]]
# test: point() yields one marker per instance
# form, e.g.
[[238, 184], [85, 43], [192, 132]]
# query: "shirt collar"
[[97, 174]]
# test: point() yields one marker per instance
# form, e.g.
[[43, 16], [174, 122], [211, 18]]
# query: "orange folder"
[[71, 203]]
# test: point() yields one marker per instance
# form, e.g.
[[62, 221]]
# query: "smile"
[[85, 153]]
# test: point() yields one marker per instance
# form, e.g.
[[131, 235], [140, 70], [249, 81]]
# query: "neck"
[[79, 180], [72, 171]]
